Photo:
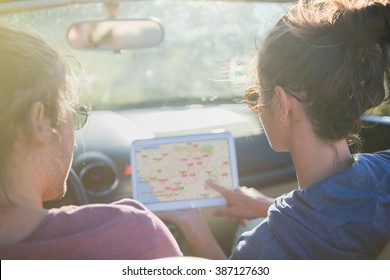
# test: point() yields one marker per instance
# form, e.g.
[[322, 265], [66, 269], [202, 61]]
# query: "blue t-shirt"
[[345, 216]]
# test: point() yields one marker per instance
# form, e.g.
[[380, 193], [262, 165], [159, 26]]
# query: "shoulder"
[[324, 214], [355, 194], [373, 166], [317, 222], [369, 175], [379, 159], [100, 213], [121, 215], [123, 205], [261, 243], [126, 229]]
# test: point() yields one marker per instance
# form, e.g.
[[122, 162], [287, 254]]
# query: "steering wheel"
[[76, 188], [75, 194]]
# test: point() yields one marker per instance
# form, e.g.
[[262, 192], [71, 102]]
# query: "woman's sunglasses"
[[252, 95]]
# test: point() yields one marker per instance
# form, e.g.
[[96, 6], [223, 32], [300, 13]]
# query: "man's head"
[[37, 103]]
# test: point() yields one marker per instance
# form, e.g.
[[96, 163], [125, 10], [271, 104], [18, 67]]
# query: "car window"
[[204, 56]]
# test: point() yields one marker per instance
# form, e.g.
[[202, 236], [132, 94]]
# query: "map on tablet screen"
[[170, 172]]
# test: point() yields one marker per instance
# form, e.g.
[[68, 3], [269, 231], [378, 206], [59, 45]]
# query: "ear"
[[41, 125], [283, 102]]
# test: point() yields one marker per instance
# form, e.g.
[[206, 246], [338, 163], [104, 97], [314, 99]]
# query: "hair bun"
[[366, 25]]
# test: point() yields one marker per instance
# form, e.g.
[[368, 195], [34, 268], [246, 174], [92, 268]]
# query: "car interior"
[[168, 68]]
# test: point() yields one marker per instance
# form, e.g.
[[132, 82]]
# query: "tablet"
[[169, 173]]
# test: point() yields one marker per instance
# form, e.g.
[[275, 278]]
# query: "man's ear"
[[283, 102], [41, 125]]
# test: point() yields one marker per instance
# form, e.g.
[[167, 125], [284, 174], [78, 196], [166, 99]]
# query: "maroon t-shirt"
[[121, 230]]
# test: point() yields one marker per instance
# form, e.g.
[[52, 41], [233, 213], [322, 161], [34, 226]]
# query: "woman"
[[39, 114], [319, 69]]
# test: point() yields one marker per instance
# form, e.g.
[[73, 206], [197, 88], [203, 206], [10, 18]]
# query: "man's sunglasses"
[[80, 117]]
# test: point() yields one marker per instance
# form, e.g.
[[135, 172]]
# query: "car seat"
[[385, 254]]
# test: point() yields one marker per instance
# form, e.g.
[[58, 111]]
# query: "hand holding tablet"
[[170, 173]]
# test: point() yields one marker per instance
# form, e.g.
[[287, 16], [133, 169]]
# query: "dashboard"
[[102, 157]]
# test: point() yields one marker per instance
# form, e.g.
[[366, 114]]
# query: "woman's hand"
[[241, 203]]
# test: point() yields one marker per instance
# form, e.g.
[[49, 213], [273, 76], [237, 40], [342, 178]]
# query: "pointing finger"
[[222, 190]]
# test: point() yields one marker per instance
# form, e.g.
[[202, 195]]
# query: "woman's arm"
[[196, 231]]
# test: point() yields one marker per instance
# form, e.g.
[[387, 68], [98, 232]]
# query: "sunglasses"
[[252, 95], [80, 117]]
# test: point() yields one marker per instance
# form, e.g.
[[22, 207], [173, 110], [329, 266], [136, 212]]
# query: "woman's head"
[[334, 56]]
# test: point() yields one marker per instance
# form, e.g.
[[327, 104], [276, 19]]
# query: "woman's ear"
[[283, 103], [41, 124]]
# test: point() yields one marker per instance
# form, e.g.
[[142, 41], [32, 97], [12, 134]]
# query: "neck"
[[20, 204], [21, 185], [315, 160]]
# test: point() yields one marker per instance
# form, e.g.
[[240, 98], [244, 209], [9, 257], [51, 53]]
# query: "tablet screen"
[[170, 172]]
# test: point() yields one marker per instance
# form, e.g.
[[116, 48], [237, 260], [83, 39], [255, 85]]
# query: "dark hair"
[[335, 55], [31, 71]]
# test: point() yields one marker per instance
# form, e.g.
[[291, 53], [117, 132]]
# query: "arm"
[[196, 232]]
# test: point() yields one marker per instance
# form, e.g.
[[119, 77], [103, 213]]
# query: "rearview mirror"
[[115, 34]]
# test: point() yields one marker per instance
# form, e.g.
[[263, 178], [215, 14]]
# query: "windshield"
[[204, 56]]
